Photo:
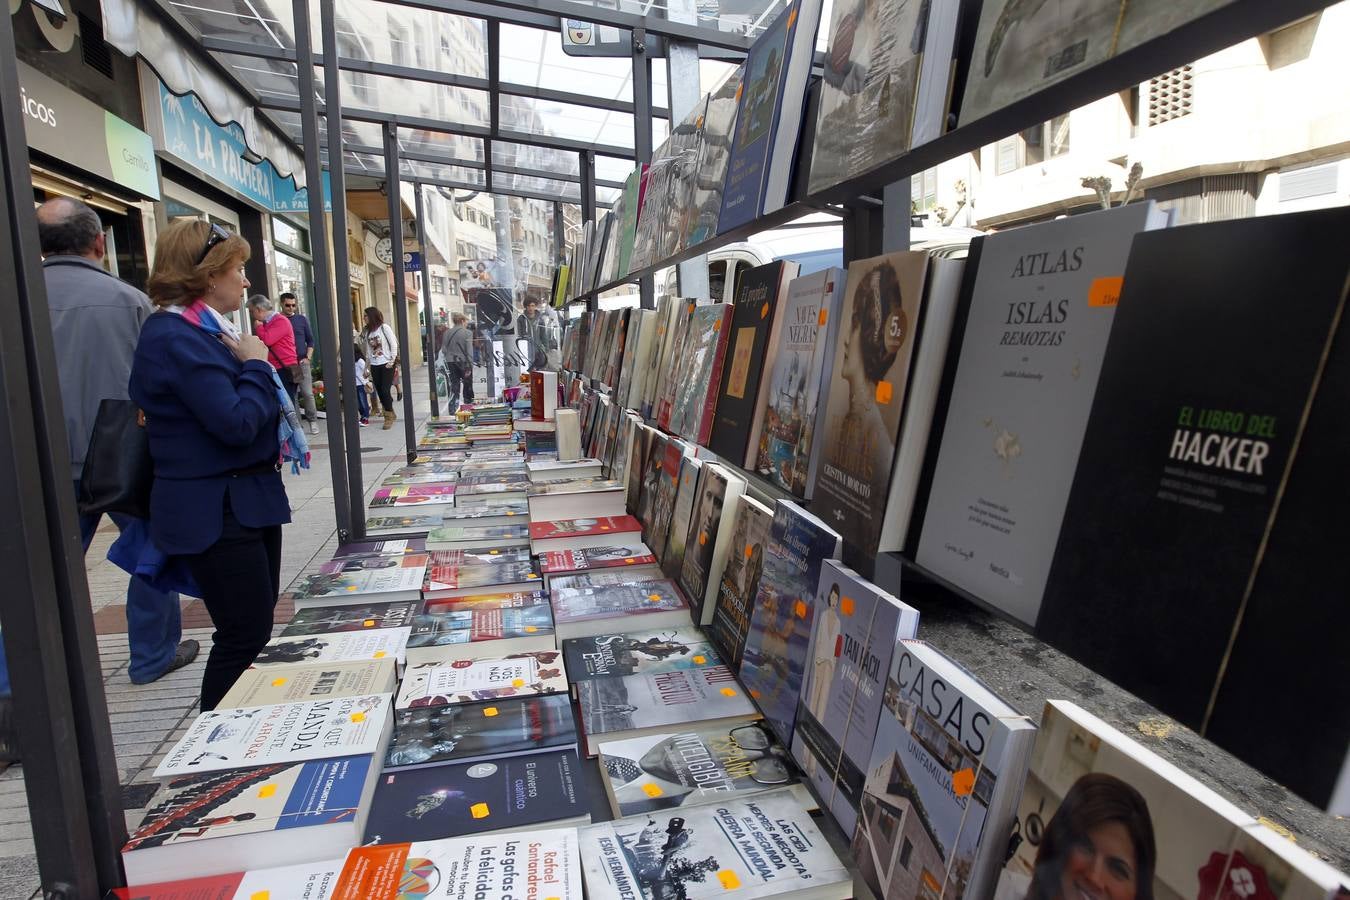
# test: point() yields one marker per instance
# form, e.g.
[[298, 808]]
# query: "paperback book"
[[672, 560], [482, 556], [777, 646], [466, 681], [342, 646], [484, 630], [694, 391], [480, 732], [363, 617], [456, 799], [578, 612], [740, 579], [708, 541], [413, 495], [478, 537], [444, 581], [565, 561], [296, 684], [361, 579], [282, 733], [381, 548], [409, 525], [714, 152], [312, 881], [637, 652]]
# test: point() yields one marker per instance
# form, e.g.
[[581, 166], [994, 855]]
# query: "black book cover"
[[455, 800], [752, 325], [1191, 522], [428, 735]]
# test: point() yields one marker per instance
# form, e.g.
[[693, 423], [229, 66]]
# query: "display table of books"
[[502, 705]]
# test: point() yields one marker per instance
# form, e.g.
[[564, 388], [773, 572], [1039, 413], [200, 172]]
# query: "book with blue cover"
[[778, 642], [856, 629]]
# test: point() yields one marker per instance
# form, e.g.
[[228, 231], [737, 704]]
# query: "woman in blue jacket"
[[211, 410]]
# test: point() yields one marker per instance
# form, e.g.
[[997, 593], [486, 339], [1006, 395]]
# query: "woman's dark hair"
[[360, 354], [1093, 800], [373, 314], [876, 301]]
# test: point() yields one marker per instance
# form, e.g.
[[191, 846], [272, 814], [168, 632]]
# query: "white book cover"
[[522, 864], [464, 681], [310, 881], [1040, 315], [764, 845], [340, 646], [281, 733]]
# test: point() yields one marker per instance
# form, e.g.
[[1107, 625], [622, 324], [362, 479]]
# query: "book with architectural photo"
[[708, 542], [714, 153], [694, 394], [672, 560], [740, 579]]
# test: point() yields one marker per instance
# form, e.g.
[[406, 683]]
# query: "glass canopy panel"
[[734, 16], [402, 97], [611, 168], [563, 190], [566, 120], [407, 36], [412, 168], [542, 159], [456, 146], [363, 163], [535, 57]]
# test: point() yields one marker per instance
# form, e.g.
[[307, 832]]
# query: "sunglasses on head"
[[216, 235]]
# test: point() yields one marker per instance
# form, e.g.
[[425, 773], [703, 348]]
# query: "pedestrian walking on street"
[[304, 352]]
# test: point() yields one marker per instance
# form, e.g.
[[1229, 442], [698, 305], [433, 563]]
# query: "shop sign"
[[190, 135], [412, 262], [61, 123]]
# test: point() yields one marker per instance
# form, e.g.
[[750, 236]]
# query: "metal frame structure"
[[48, 629]]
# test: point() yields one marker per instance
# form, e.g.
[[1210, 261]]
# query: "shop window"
[[1033, 146], [906, 850]]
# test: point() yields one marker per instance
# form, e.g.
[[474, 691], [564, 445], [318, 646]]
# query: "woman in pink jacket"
[[276, 332]]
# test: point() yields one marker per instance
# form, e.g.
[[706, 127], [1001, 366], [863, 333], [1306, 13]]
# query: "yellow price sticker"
[[490, 711], [652, 790], [358, 717], [267, 790], [493, 552], [700, 659], [728, 880], [381, 654], [260, 895], [368, 623], [350, 588], [278, 682], [479, 811], [531, 629], [518, 683], [728, 692]]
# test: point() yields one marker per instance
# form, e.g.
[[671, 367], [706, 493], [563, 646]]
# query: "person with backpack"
[[457, 351]]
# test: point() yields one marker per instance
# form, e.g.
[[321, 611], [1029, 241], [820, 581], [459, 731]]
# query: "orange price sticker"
[[278, 682], [518, 683], [764, 311], [368, 623], [700, 659], [267, 790], [846, 606], [963, 782], [490, 711], [702, 538], [652, 790], [717, 326], [728, 692], [749, 551], [654, 598], [480, 811], [531, 629], [629, 561], [800, 609], [1105, 291], [824, 316], [884, 391], [728, 880]]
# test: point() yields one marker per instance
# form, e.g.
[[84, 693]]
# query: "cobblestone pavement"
[[147, 719]]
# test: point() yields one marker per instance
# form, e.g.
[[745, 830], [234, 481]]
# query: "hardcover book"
[[764, 845], [856, 627], [296, 684], [756, 332], [312, 881], [364, 617], [465, 680], [574, 531], [792, 399], [342, 646], [694, 392], [943, 781], [777, 646], [1038, 317], [222, 822], [667, 308], [642, 325], [620, 708], [740, 579], [867, 385], [476, 732], [708, 542], [668, 194], [282, 733], [672, 560], [361, 579], [454, 799], [714, 152], [769, 116], [605, 578], [489, 866], [672, 358], [487, 630], [637, 653], [1234, 467], [498, 600], [712, 764], [1177, 837]]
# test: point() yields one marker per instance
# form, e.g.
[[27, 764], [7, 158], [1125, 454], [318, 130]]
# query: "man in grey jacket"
[[457, 350], [96, 322]]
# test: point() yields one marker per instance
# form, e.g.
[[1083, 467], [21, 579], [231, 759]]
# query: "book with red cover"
[[700, 372], [562, 528], [559, 561], [496, 600]]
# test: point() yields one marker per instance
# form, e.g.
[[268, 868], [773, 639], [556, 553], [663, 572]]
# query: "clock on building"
[[384, 250]]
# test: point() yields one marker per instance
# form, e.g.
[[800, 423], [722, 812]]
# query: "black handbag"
[[118, 470]]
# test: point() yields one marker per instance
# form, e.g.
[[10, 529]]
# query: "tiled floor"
[[147, 719]]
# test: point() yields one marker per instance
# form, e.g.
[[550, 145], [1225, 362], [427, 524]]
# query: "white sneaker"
[[313, 427]]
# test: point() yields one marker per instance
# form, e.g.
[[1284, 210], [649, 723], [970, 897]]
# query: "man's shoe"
[[313, 427], [187, 651], [9, 735]]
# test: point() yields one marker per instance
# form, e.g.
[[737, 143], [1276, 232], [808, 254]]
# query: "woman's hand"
[[247, 347]]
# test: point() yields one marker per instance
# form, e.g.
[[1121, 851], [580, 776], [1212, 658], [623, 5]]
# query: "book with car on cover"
[[333, 619], [481, 630], [465, 680], [866, 393], [794, 390], [756, 332], [776, 648], [1039, 313], [654, 604], [637, 652], [474, 732], [454, 799], [286, 732], [486, 866], [342, 646], [740, 579], [361, 579], [709, 764], [764, 845], [312, 881], [856, 627], [708, 540], [622, 708], [297, 683], [941, 787], [221, 822]]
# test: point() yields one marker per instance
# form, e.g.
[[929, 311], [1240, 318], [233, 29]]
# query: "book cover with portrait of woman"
[[866, 393]]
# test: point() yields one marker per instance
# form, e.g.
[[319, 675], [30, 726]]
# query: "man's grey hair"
[[67, 227], [458, 318], [261, 301]]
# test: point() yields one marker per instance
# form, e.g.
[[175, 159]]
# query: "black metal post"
[[392, 183], [559, 235], [586, 166], [863, 227], [642, 135], [59, 712], [325, 305], [420, 211], [332, 94]]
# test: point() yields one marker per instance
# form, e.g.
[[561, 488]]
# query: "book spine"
[[709, 404]]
